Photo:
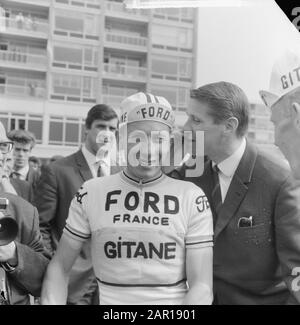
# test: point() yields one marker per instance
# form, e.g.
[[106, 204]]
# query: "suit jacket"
[[58, 184], [32, 257], [33, 177], [251, 263], [23, 189]]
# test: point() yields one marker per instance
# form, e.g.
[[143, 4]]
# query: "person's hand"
[[8, 252]]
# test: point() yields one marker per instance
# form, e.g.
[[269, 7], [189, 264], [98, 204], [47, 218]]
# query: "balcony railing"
[[89, 4], [31, 91], [174, 14], [119, 37], [118, 7], [40, 3], [15, 25], [20, 59], [119, 70]]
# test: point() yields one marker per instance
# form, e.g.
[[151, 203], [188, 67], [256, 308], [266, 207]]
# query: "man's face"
[[147, 141], [96, 127], [287, 132], [21, 154], [200, 120]]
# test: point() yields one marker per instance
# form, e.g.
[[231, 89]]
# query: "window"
[[24, 84], [165, 67], [172, 38], [66, 131], [69, 23], [177, 96], [74, 88], [32, 123], [67, 54], [77, 25]]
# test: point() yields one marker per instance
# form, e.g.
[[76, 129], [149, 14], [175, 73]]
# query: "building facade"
[[58, 58]]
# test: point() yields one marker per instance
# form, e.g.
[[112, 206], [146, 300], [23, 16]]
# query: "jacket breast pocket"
[[258, 235]]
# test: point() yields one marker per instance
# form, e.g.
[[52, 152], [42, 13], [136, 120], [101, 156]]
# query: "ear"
[[231, 125], [296, 113]]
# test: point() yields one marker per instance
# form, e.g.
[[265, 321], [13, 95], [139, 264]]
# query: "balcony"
[[24, 28], [128, 73], [19, 60], [39, 3], [126, 41], [183, 15], [30, 91], [81, 4], [118, 10]]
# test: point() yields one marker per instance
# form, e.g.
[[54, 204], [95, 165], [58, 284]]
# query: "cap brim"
[[268, 98]]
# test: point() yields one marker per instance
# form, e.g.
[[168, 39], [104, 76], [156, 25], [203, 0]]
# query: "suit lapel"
[[237, 189], [83, 167], [29, 176]]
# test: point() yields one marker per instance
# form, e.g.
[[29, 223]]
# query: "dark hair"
[[22, 136], [35, 159], [100, 112], [225, 100]]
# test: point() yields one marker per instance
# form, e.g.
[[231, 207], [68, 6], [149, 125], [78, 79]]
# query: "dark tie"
[[16, 175], [216, 192], [100, 170]]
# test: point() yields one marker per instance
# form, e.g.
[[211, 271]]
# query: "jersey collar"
[[132, 181]]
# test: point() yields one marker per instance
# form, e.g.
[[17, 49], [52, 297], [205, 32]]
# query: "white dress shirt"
[[23, 172], [94, 162], [228, 167]]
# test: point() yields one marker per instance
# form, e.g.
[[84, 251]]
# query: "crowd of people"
[[93, 230]]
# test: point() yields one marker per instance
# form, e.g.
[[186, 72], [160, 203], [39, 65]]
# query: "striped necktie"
[[216, 192]]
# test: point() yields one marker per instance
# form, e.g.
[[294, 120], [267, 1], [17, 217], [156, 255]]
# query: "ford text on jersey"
[[139, 234]]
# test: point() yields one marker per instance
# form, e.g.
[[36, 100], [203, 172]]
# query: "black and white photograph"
[[149, 155]]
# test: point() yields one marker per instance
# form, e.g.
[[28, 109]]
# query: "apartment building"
[[60, 57]]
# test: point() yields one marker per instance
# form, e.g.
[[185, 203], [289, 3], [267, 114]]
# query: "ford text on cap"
[[285, 77], [146, 107]]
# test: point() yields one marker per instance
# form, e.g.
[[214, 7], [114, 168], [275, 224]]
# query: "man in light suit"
[[59, 183], [254, 200], [283, 99]]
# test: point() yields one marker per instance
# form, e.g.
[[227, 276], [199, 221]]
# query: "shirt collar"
[[23, 171], [230, 164], [92, 159]]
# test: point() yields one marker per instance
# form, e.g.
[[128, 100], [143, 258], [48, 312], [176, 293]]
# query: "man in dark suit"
[[24, 142], [15, 185], [23, 259], [59, 183], [254, 201]]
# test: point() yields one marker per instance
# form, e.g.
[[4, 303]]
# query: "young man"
[[24, 142], [59, 182], [150, 234], [284, 101], [15, 185], [255, 203], [23, 258]]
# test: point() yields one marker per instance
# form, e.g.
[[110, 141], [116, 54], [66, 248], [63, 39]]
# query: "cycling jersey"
[[139, 235]]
